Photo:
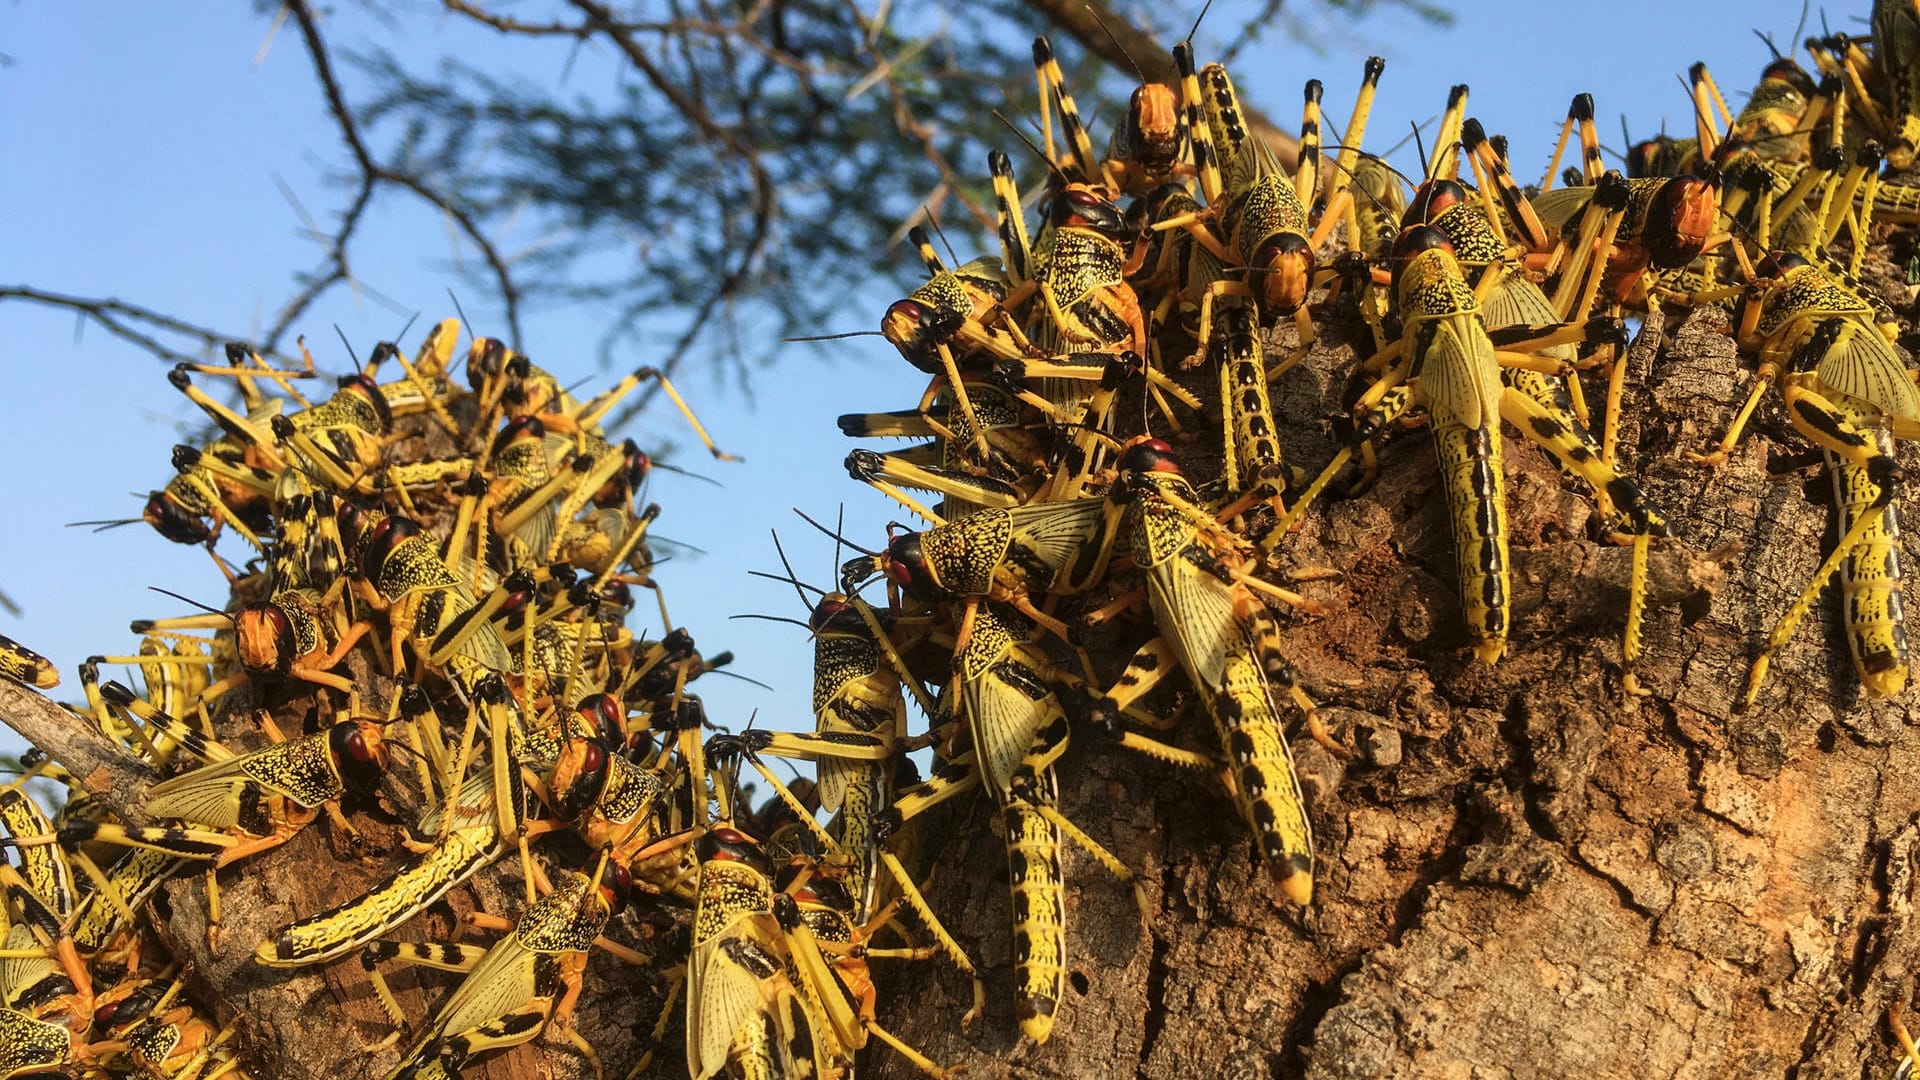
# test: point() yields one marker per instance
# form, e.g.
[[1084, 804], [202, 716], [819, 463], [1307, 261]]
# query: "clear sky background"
[[142, 143]]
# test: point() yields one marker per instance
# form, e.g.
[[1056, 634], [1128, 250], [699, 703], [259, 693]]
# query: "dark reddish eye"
[[174, 521], [1420, 238], [357, 747], [606, 714], [1081, 197], [908, 310], [827, 610], [618, 883], [1160, 446], [637, 464], [898, 572], [1787, 71], [1434, 197], [1285, 244], [523, 427], [1779, 263]]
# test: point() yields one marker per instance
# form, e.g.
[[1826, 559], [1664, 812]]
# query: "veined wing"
[[1860, 363], [1197, 610], [1458, 371]]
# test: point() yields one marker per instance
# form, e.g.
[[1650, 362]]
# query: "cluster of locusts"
[[467, 553]]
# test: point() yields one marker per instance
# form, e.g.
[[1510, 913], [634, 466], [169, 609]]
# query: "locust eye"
[[1083, 197], [906, 310], [173, 521], [605, 713], [1434, 197], [616, 884], [826, 611], [586, 762], [637, 461], [1149, 455], [1779, 262], [1420, 238], [1280, 246], [728, 844], [264, 638], [527, 427], [1786, 70], [358, 743]]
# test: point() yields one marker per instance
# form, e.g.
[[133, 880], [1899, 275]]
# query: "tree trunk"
[[1522, 871]]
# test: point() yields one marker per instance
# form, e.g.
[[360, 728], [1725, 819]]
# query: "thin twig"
[[117, 317], [335, 268]]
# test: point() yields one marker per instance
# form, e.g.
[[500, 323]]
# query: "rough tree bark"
[[1522, 872]]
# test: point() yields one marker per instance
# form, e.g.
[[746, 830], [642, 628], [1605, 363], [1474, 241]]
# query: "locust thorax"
[[363, 386]]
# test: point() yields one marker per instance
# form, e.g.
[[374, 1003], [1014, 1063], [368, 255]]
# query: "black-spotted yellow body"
[[511, 994], [28, 1045], [1896, 52], [1844, 381], [1458, 380], [1018, 728], [471, 842], [746, 1016], [26, 667], [1223, 638]]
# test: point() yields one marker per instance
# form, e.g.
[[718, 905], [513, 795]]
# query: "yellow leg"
[[1788, 622]]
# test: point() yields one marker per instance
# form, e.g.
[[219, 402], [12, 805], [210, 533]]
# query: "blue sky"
[[144, 141]]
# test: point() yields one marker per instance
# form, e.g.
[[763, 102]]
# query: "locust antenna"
[[789, 581], [355, 357], [1196, 23], [411, 319], [1420, 147], [839, 526], [942, 234], [835, 337], [737, 675], [835, 535], [773, 618], [683, 472], [188, 600], [795, 578], [1107, 30], [462, 312], [1037, 152]]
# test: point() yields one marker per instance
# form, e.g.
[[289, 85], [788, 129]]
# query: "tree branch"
[[335, 269], [117, 316], [101, 766]]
